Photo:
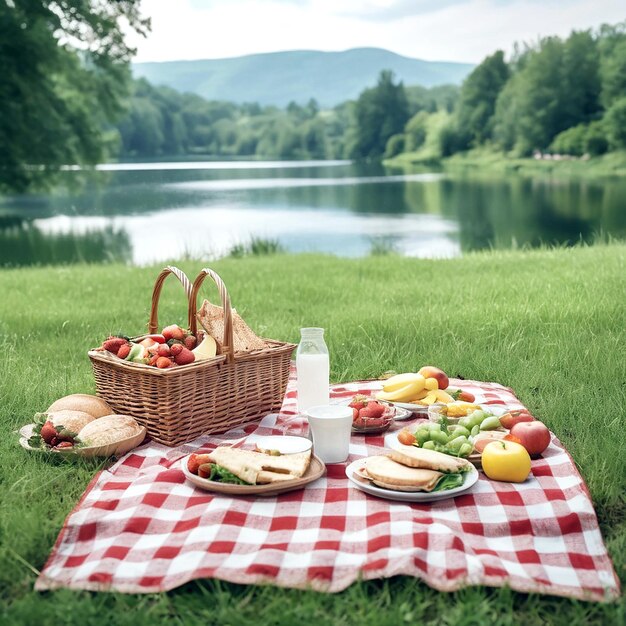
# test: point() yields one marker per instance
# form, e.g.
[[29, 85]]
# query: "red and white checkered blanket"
[[140, 527]]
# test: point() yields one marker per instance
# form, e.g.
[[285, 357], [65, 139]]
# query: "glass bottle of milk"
[[313, 367]]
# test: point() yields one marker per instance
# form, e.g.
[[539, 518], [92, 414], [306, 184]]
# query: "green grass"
[[549, 323], [486, 161]]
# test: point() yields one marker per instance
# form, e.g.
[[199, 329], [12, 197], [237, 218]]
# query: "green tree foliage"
[[616, 123], [64, 69], [380, 112], [480, 91]]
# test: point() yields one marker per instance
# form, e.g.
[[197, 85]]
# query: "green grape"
[[429, 445], [490, 423], [466, 449], [465, 422], [456, 443], [439, 437], [475, 430], [422, 435], [460, 431]]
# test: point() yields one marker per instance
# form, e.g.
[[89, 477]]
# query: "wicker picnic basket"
[[209, 396]]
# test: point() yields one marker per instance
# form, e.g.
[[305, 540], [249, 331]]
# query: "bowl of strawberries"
[[370, 416]]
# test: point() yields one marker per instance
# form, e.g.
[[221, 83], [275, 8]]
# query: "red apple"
[[534, 436], [508, 420], [429, 371]]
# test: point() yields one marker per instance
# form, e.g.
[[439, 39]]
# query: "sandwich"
[[246, 467], [414, 469]]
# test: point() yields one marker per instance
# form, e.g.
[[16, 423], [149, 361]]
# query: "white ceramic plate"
[[414, 409], [469, 479], [285, 444]]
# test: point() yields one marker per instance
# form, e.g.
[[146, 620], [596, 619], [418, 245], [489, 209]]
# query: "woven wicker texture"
[[209, 396]]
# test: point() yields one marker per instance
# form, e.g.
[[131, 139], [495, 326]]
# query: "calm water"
[[151, 212]]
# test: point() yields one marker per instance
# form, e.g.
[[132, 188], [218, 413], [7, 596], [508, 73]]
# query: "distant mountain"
[[280, 77]]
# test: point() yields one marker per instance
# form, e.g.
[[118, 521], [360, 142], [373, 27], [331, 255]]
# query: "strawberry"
[[190, 342], [173, 332], [359, 402], [124, 351], [163, 362], [153, 360], [204, 471], [113, 344], [372, 410], [195, 461], [64, 444], [173, 342], [184, 357], [48, 432], [176, 349], [163, 350], [355, 414]]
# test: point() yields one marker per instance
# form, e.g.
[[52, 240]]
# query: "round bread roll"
[[109, 429], [72, 421], [82, 402]]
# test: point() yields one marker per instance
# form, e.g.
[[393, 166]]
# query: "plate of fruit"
[[370, 416], [417, 391]]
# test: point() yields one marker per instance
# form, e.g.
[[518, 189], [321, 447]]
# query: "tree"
[[64, 74], [380, 112], [479, 94], [615, 121]]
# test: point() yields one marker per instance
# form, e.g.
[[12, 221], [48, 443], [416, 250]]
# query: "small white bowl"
[[285, 444]]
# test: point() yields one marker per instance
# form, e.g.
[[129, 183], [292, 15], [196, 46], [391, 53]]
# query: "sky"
[[448, 30]]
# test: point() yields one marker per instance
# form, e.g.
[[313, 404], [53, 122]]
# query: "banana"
[[431, 384], [403, 394], [431, 398], [401, 380], [443, 396], [420, 396]]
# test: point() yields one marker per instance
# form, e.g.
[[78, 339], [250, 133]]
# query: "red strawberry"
[[372, 410], [173, 332], [64, 444], [359, 401], [176, 349], [153, 360], [163, 362], [124, 351], [204, 471], [184, 357], [48, 432], [163, 350], [190, 342], [355, 414], [195, 461], [113, 344]]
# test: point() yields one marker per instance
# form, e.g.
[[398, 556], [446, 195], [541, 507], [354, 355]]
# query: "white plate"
[[415, 409], [469, 479], [285, 444]]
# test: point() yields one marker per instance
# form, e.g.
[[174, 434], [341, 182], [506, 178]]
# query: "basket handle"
[[153, 324], [227, 343]]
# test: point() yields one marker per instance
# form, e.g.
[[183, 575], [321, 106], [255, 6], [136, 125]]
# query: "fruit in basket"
[[506, 461], [176, 349], [184, 357], [113, 344], [190, 342], [206, 349], [429, 371], [508, 420], [163, 362], [534, 436], [173, 332], [93, 405], [163, 350], [124, 351]]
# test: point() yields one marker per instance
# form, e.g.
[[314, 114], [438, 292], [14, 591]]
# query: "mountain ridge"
[[277, 78]]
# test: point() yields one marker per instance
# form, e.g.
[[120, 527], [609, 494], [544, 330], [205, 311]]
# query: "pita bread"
[[388, 474], [259, 468], [211, 318], [429, 459]]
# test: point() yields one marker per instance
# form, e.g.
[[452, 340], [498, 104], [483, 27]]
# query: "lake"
[[153, 212]]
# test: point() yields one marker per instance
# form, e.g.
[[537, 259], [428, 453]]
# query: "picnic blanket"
[[140, 527]]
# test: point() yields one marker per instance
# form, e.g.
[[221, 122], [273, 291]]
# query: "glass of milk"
[[331, 426], [313, 369]]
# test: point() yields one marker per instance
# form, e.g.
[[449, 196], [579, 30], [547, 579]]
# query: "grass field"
[[486, 161], [549, 323]]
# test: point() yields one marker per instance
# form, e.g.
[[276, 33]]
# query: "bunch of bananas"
[[414, 389]]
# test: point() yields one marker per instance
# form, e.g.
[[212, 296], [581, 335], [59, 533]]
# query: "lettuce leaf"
[[449, 481]]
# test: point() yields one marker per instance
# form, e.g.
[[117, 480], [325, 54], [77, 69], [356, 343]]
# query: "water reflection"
[[336, 207], [23, 242]]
